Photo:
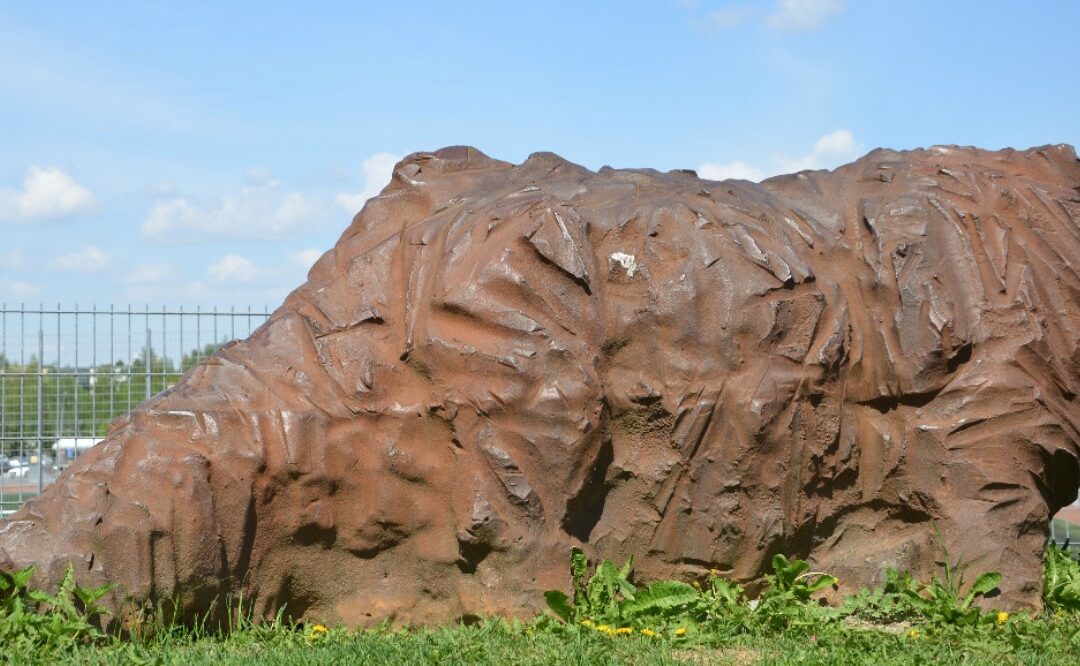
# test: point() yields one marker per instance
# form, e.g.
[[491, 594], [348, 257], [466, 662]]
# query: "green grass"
[[10, 502], [1049, 641], [606, 619], [14, 500]]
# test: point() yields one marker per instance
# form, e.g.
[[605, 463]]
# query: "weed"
[[606, 618], [599, 598], [608, 600], [943, 600], [35, 620], [786, 601], [887, 604], [1061, 580]]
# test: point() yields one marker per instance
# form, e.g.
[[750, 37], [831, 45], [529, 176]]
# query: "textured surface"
[[497, 362]]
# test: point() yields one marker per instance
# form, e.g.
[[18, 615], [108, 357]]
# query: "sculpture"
[[497, 362]]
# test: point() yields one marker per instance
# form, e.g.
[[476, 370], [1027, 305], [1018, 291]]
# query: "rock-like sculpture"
[[498, 362]]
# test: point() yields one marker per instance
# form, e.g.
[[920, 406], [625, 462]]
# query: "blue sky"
[[206, 152]]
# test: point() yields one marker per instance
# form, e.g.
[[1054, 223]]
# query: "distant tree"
[[80, 401], [197, 356]]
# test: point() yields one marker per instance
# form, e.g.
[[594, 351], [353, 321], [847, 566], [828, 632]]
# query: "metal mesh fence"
[[1065, 527], [66, 374]]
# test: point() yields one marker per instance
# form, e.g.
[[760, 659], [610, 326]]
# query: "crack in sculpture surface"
[[498, 362]]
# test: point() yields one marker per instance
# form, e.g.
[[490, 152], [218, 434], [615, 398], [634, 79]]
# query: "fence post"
[[149, 362], [41, 406]]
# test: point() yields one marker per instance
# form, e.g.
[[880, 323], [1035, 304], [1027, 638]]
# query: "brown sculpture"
[[498, 362]]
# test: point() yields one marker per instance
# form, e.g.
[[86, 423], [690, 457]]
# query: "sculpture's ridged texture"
[[497, 362]]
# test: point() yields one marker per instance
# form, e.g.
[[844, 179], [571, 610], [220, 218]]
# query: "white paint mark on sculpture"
[[627, 261]]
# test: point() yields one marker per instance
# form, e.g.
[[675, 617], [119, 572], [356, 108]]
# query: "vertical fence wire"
[[66, 374]]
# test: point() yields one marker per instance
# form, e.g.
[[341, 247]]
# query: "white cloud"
[[46, 192], [259, 210], [737, 170], [829, 151], [87, 260], [207, 294], [150, 274], [841, 142], [305, 259], [803, 14], [16, 289], [259, 176], [727, 17], [161, 188], [12, 260], [376, 171], [235, 269]]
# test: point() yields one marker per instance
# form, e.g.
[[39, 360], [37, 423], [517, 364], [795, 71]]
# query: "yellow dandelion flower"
[[586, 623], [317, 631], [681, 631], [624, 630], [714, 572], [1002, 617], [648, 632], [603, 627], [913, 633]]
